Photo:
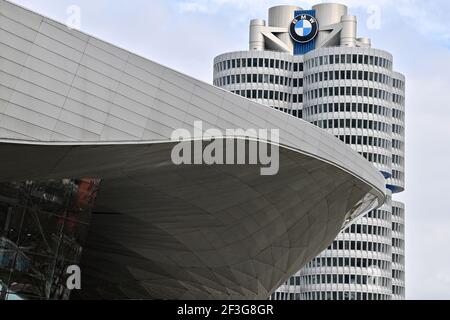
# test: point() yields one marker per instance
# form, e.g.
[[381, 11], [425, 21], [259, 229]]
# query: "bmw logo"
[[304, 28]]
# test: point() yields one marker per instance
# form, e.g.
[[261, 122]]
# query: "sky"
[[186, 35]]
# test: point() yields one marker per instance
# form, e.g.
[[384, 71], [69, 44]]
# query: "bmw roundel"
[[304, 28]]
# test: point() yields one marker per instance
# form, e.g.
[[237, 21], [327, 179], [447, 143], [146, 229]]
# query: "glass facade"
[[43, 226]]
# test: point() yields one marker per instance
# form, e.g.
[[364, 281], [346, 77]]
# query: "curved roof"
[[195, 232]]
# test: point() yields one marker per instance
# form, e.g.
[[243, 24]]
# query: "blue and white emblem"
[[304, 28]]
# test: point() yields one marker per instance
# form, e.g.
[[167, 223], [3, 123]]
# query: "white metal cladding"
[[79, 88], [349, 269], [398, 251], [398, 134], [68, 92]]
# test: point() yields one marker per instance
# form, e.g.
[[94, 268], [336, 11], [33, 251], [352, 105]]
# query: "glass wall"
[[43, 226]]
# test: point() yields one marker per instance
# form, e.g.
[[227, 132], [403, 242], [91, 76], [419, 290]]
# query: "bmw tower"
[[312, 65]]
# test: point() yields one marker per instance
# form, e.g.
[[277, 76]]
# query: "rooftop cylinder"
[[348, 33], [256, 36], [328, 14], [281, 17]]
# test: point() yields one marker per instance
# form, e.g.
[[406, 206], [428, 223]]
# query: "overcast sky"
[[187, 34]]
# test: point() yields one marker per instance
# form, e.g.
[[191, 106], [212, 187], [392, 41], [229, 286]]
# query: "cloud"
[[249, 6], [443, 277], [427, 19], [192, 7]]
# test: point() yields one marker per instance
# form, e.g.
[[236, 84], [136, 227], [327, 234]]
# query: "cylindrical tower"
[[348, 92], [328, 14], [272, 78], [397, 184], [354, 94]]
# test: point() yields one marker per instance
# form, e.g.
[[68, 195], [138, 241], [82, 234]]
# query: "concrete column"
[[349, 30], [256, 36]]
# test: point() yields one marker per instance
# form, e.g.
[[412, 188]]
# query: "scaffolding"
[[43, 227]]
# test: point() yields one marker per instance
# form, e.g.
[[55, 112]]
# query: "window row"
[[399, 84], [348, 107], [353, 124], [343, 296], [398, 258], [285, 296], [259, 63], [377, 158], [397, 144], [270, 95], [295, 112], [367, 229], [398, 114], [379, 214], [398, 175], [397, 212], [345, 279], [257, 78], [398, 129], [366, 141], [362, 245], [398, 291], [398, 99], [348, 92], [398, 227], [398, 160], [399, 243], [348, 75], [349, 262], [398, 274], [349, 59]]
